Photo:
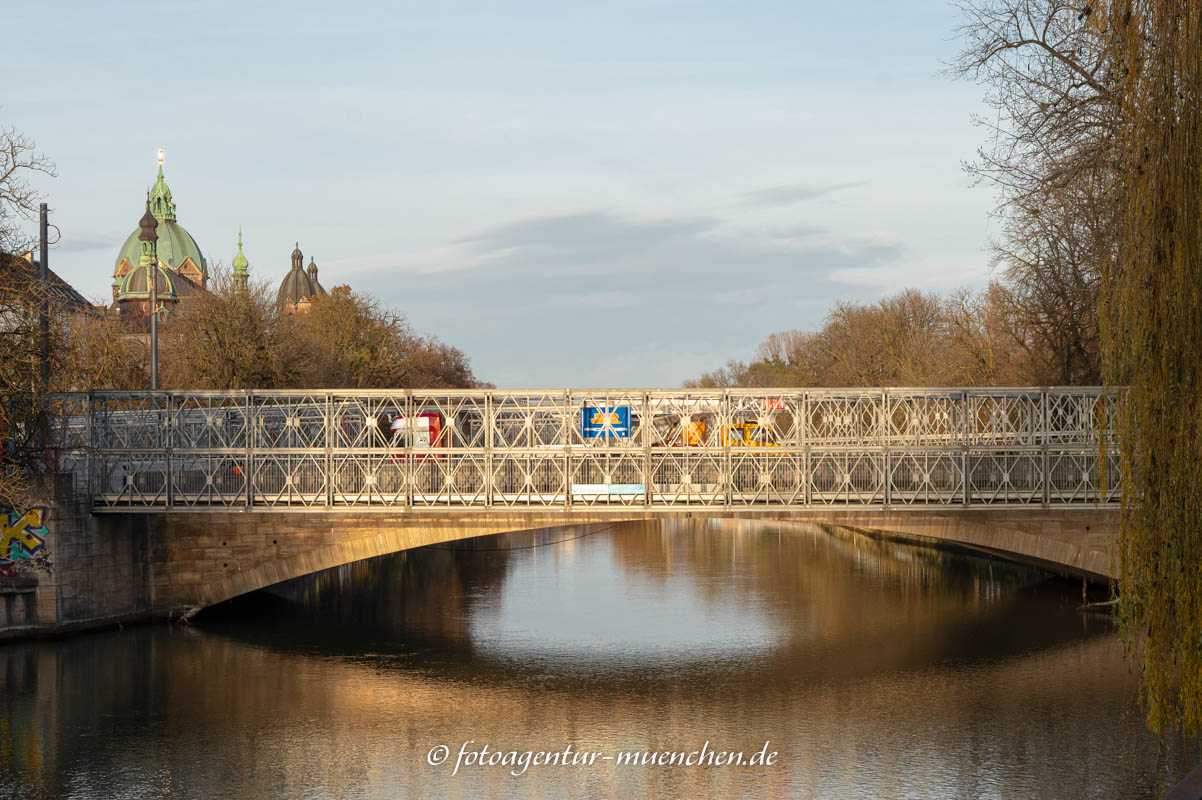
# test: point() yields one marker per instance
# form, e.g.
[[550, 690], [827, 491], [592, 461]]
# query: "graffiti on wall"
[[22, 541]]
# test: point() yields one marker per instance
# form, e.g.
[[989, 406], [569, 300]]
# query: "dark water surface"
[[872, 669]]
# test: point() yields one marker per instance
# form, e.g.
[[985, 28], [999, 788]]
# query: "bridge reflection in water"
[[566, 448]]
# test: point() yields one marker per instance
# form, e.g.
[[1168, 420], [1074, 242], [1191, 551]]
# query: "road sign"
[[605, 422]]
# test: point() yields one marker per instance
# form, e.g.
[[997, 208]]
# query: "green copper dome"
[[177, 250], [134, 285]]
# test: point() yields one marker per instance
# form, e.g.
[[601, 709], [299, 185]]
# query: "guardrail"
[[565, 448]]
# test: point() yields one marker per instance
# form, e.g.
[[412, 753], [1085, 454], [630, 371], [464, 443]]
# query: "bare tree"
[[907, 339], [734, 373], [18, 199], [1052, 155], [1046, 68], [232, 339], [1057, 242], [987, 342], [23, 398]]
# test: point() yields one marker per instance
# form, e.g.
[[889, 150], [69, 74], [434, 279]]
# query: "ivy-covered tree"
[[1152, 311]]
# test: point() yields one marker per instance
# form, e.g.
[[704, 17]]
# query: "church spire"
[[240, 266], [160, 197]]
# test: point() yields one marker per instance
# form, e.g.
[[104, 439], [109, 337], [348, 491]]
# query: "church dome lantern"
[[312, 272]]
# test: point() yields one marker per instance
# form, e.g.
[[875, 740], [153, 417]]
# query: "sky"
[[588, 195]]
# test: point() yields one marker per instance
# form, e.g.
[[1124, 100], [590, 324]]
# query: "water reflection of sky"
[[576, 603]]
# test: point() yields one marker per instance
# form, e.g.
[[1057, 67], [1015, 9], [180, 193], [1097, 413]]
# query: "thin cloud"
[[787, 195], [801, 230], [582, 293], [559, 243], [84, 243], [587, 231]]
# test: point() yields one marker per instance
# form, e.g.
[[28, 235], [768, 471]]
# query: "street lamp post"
[[150, 261], [154, 328], [44, 286]]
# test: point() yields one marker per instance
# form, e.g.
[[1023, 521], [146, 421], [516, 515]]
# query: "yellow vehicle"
[[748, 434], [692, 434], [741, 434]]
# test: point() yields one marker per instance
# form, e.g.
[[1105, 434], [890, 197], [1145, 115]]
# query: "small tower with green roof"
[[241, 265]]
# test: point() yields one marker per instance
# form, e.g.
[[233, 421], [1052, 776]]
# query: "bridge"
[[562, 449], [222, 493]]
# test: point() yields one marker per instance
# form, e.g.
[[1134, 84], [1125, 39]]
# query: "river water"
[[858, 667]]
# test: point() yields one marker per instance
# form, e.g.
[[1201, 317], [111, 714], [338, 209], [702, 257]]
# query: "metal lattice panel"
[[766, 477], [1004, 418], [528, 479], [925, 420], [208, 480], [132, 420], [463, 418], [1075, 477], [605, 477], [292, 421], [926, 477], [209, 421], [685, 478], [766, 420], [686, 419], [606, 419], [289, 479], [458, 479], [130, 480], [847, 477], [1079, 417], [365, 421], [531, 420], [373, 479], [1006, 476], [852, 419]]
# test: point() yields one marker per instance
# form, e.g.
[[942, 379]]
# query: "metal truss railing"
[[561, 449]]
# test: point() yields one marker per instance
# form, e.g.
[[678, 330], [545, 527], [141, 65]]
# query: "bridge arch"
[[199, 559]]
